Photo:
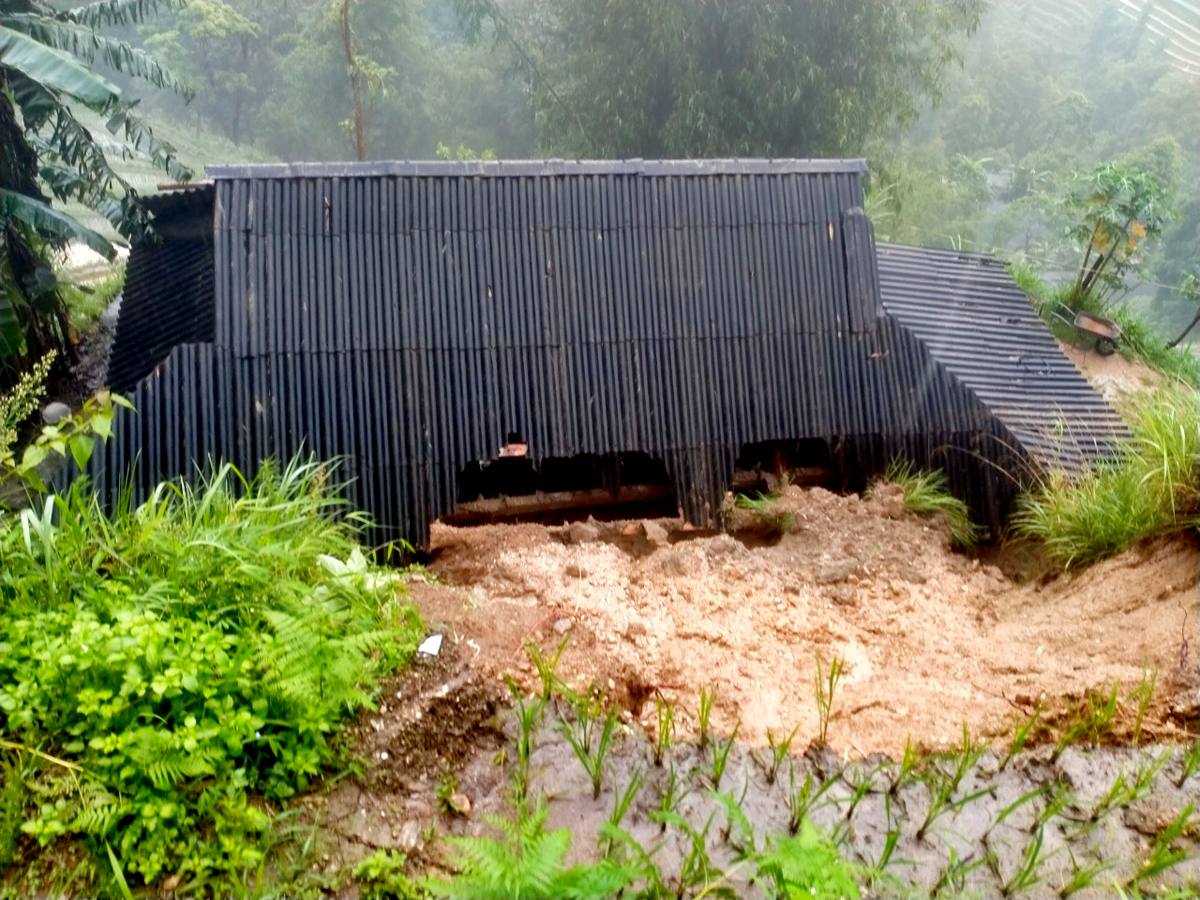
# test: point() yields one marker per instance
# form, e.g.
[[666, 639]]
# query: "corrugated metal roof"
[[978, 324], [409, 317]]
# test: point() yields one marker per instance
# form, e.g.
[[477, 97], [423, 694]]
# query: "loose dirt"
[[930, 639]]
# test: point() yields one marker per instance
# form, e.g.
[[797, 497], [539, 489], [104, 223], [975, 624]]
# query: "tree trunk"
[[360, 125], [1184, 333]]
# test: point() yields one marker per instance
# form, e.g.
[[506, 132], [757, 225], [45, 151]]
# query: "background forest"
[[973, 118]]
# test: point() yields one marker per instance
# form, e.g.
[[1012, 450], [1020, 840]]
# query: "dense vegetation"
[[164, 665]]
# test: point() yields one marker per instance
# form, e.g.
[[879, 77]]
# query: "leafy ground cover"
[[172, 673]]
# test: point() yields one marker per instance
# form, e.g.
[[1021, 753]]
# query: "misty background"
[[974, 117]]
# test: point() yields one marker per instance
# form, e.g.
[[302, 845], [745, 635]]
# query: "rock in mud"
[[681, 562], [655, 533], [838, 570], [582, 533]]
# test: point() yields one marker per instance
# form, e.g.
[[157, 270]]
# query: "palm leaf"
[[86, 45], [55, 70], [51, 222]]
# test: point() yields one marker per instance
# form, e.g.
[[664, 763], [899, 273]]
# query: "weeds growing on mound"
[[1152, 487], [927, 493], [163, 662]]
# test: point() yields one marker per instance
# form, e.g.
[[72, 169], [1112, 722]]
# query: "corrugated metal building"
[[411, 317]]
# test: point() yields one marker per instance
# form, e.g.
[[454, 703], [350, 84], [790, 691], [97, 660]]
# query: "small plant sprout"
[[448, 797], [805, 800], [952, 880], [1082, 876], [707, 696], [1027, 874], [1091, 719], [1021, 736], [622, 800], [944, 784], [592, 750], [907, 770], [738, 832], [720, 756], [1143, 694], [826, 685], [665, 735], [668, 801], [779, 752], [1190, 764], [547, 669], [529, 720], [1162, 855]]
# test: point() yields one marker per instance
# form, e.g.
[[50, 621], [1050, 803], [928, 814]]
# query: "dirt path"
[[930, 638]]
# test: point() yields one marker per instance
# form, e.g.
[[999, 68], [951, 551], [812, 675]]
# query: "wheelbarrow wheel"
[[1106, 346]]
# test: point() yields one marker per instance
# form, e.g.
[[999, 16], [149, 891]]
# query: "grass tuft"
[[1152, 488], [926, 493]]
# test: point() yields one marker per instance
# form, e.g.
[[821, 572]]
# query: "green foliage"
[[381, 877], [87, 302], [826, 681], [187, 653], [1152, 487], [926, 493], [808, 866], [46, 75], [728, 78], [1118, 207], [526, 862]]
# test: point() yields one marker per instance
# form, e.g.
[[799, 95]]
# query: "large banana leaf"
[[55, 70], [84, 43], [117, 12], [51, 222]]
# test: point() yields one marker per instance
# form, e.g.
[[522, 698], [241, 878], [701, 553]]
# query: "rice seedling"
[[806, 799], [826, 684], [779, 752], [547, 669], [622, 800], [1027, 874], [1125, 791], [665, 735], [720, 756], [698, 875], [927, 493], [1190, 763], [861, 783], [1143, 694], [1091, 719], [1058, 798], [907, 772], [953, 877], [528, 713], [1082, 876], [672, 794], [1007, 811], [707, 697], [1163, 855], [743, 842], [1021, 736], [944, 784], [592, 754], [628, 853]]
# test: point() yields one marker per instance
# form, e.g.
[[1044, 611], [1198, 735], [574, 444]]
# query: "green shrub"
[[1152, 487], [186, 654], [926, 493]]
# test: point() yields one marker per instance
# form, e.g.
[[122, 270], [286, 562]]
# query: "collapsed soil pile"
[[930, 638]]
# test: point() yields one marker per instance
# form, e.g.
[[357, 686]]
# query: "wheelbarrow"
[[1104, 333]]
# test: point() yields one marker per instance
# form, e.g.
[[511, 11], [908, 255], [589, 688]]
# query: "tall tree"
[[46, 73], [670, 78]]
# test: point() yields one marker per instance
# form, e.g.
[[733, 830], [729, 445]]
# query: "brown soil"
[[930, 638]]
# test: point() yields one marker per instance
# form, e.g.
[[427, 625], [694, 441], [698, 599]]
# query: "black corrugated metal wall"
[[408, 318]]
